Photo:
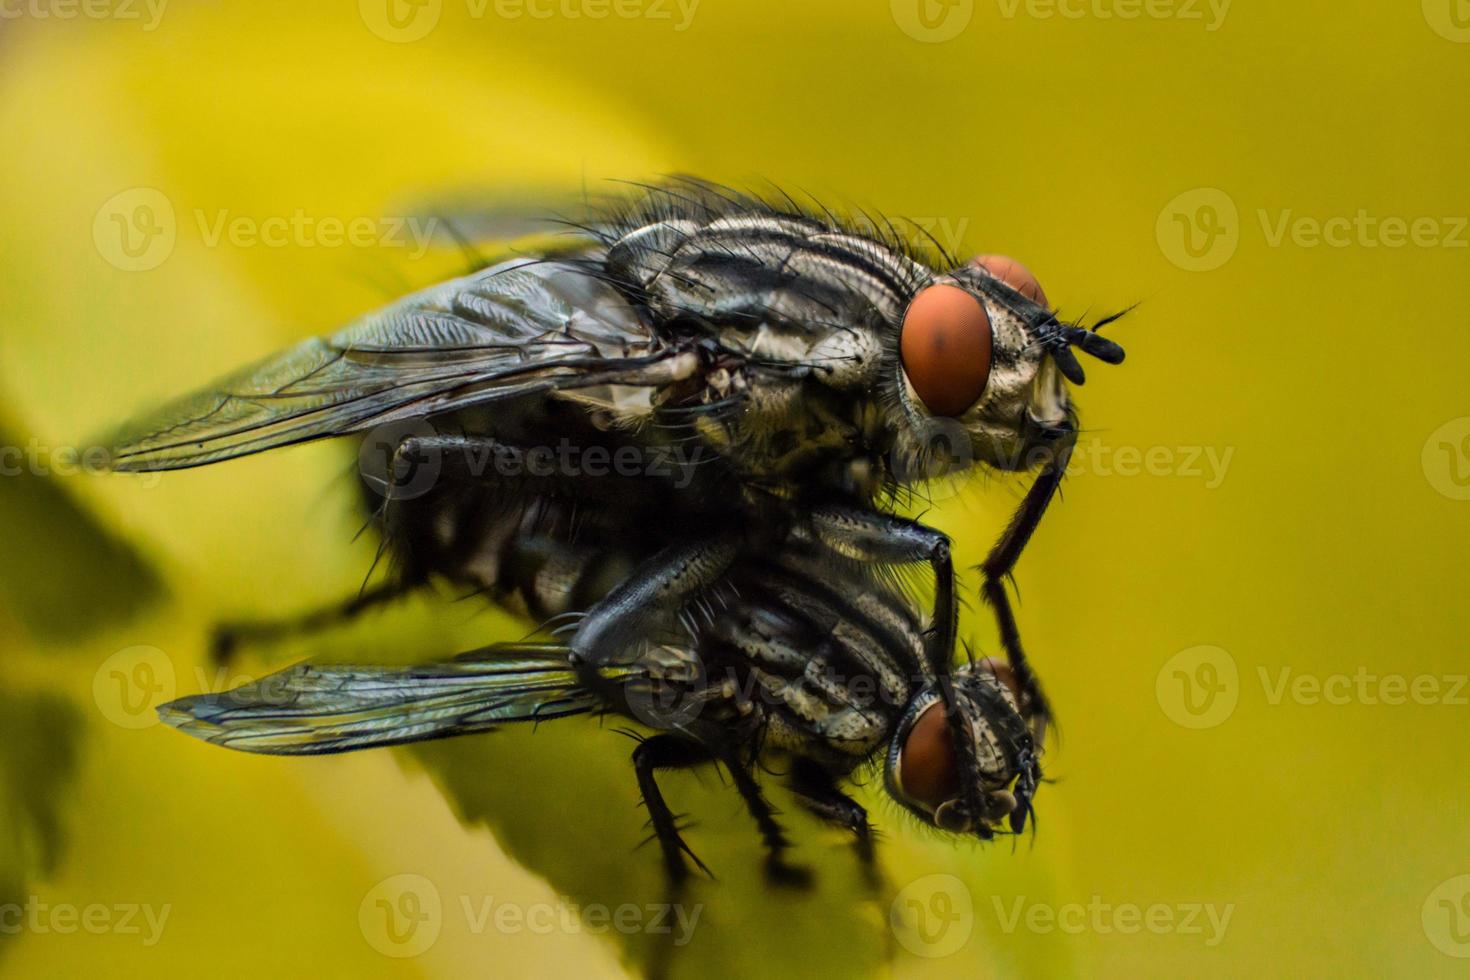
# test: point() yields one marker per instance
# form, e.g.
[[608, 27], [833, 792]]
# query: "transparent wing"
[[316, 710], [512, 329]]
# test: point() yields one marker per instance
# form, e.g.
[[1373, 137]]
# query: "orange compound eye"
[[1013, 274], [945, 346], [928, 767]]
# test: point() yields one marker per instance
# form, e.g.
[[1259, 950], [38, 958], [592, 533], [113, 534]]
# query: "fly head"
[[983, 369], [971, 772]]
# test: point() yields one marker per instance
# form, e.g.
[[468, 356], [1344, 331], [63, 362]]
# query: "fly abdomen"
[[550, 578]]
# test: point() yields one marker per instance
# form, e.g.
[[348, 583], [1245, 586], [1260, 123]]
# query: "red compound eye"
[[928, 766], [945, 347], [1013, 274]]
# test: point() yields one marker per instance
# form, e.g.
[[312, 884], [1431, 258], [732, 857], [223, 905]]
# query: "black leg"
[[871, 536], [817, 791], [228, 637], [764, 814], [998, 566], [662, 585], [417, 462], [877, 537], [667, 752]]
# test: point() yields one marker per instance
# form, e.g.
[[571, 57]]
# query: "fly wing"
[[517, 328], [318, 710]]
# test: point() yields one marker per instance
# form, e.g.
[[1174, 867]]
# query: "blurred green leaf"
[[65, 575], [39, 753]]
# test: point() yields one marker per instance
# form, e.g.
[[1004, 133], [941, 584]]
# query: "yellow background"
[[1086, 145]]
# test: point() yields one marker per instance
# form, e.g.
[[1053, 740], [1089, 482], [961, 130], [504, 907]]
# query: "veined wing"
[[318, 710], [512, 329]]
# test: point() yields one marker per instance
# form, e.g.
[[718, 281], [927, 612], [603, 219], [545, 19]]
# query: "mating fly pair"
[[818, 370]]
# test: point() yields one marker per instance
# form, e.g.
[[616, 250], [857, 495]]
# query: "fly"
[[821, 369], [800, 658]]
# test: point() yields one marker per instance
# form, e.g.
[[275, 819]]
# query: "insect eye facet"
[[1013, 274], [945, 345], [928, 765]]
